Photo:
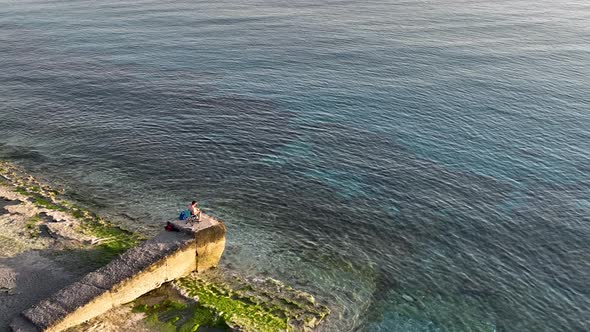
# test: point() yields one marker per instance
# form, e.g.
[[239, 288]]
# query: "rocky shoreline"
[[47, 242]]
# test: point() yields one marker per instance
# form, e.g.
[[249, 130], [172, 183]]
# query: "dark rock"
[[7, 202], [48, 218], [45, 231]]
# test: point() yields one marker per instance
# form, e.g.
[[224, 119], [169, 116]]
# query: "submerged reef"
[[253, 304], [226, 301]]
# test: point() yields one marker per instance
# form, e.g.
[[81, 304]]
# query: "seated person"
[[194, 211]]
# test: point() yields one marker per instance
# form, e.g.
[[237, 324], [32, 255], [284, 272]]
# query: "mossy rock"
[[171, 314], [32, 226], [254, 305], [116, 239]]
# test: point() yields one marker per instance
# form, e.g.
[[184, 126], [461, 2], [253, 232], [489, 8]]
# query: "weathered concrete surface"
[[210, 240], [168, 256]]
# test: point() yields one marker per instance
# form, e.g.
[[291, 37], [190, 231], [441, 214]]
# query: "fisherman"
[[194, 210]]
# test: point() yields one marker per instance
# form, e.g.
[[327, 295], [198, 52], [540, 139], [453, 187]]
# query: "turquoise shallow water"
[[420, 166]]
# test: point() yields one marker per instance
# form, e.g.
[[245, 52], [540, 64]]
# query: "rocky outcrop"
[[253, 304]]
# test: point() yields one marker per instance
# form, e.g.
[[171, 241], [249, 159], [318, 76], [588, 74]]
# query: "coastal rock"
[[49, 221], [4, 202], [67, 231], [7, 279], [254, 303], [49, 218]]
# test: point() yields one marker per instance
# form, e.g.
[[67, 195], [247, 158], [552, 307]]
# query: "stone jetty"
[[168, 256]]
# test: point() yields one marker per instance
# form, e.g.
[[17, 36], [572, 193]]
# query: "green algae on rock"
[[32, 227], [111, 239], [165, 312], [223, 300], [253, 304]]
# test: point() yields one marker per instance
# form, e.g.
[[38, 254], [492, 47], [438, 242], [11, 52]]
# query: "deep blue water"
[[418, 165]]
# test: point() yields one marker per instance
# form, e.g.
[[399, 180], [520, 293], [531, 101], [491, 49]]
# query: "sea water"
[[418, 165]]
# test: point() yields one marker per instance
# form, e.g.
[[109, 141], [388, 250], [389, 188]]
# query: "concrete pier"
[[168, 256]]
